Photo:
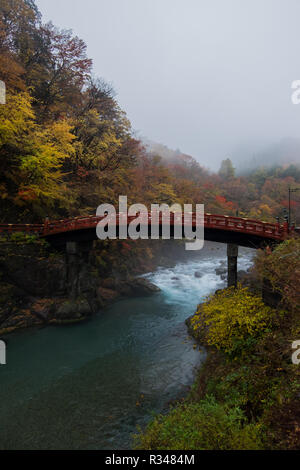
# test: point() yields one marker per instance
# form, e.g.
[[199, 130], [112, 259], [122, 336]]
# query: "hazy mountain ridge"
[[169, 155], [283, 153]]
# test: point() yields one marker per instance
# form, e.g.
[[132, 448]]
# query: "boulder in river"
[[198, 275], [220, 271], [138, 287]]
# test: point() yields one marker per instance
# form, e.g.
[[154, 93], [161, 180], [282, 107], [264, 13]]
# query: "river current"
[[89, 385]]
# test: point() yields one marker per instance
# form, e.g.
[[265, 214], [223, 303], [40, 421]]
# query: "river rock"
[[143, 286], [138, 287], [107, 295], [19, 319], [198, 275], [109, 283], [220, 271], [72, 309], [42, 308]]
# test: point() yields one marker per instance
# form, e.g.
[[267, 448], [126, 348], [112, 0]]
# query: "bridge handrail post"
[[286, 227]]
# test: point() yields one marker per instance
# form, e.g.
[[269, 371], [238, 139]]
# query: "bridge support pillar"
[[77, 257], [72, 259], [232, 256]]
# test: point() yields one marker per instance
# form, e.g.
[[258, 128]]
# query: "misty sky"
[[205, 76]]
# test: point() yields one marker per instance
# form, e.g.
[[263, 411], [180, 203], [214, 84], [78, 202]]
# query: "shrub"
[[232, 319], [17, 237], [206, 425], [282, 269]]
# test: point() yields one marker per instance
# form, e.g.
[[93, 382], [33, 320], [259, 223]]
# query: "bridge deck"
[[269, 231]]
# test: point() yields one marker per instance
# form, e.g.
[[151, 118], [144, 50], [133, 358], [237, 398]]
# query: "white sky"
[[200, 75]]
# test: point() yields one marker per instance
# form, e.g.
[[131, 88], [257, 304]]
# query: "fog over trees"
[[210, 77]]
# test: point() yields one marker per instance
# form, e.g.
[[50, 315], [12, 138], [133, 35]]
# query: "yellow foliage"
[[97, 144], [231, 316], [32, 155], [16, 119]]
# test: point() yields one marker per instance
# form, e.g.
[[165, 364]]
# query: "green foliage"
[[206, 425], [17, 237], [246, 386], [249, 363], [25, 238]]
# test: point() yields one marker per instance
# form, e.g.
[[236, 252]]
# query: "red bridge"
[[218, 228]]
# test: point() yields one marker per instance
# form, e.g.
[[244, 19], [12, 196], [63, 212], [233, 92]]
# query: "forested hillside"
[[66, 146]]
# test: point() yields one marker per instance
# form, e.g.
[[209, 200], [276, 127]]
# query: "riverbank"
[[88, 385], [36, 288], [246, 394]]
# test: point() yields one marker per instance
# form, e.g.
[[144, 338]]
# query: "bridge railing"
[[245, 225], [236, 224], [67, 225], [24, 228]]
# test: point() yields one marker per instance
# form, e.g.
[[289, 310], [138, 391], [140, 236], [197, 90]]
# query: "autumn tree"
[[66, 68], [227, 170], [17, 26], [31, 158]]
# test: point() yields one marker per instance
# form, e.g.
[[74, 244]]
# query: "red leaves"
[[126, 246], [285, 203], [82, 173], [221, 200], [27, 195]]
